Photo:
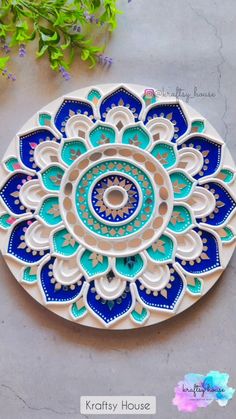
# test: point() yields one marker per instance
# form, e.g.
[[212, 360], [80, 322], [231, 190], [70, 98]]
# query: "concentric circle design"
[[115, 198], [147, 207], [117, 210]]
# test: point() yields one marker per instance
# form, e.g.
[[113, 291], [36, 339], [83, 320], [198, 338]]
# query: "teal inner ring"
[[82, 198]]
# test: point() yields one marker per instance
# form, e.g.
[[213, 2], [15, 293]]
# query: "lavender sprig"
[[22, 51], [8, 75], [65, 74], [104, 60]]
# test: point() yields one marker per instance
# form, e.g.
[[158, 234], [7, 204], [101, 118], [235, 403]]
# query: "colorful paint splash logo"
[[198, 390]]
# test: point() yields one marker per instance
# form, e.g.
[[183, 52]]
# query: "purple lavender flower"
[[5, 48], [104, 60], [8, 75], [22, 51], [66, 76], [91, 18], [76, 28]]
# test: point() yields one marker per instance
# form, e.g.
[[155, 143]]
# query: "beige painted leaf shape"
[[159, 245], [178, 186]]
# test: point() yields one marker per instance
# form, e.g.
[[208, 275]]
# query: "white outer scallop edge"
[[125, 323]]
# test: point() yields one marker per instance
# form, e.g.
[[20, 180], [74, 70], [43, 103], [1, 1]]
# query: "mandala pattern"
[[116, 205]]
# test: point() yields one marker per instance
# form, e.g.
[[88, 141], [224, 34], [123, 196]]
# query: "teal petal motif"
[[198, 126], [149, 97], [6, 221], [78, 309], [12, 164], [64, 244], [50, 212], [196, 288], [226, 175], [165, 154], [140, 314], [182, 184], [162, 250], [30, 275], [136, 136], [94, 96], [93, 264], [52, 177], [71, 150], [129, 267], [102, 134], [226, 235], [181, 219], [44, 119]]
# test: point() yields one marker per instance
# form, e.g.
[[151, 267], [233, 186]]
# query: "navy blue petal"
[[10, 192], [69, 107], [174, 113], [17, 246], [52, 294], [124, 97], [211, 152], [225, 205], [159, 301], [109, 310], [28, 143], [208, 260]]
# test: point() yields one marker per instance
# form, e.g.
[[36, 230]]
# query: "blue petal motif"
[[225, 205], [67, 109], [174, 113], [211, 152], [174, 293], [28, 143], [209, 260], [109, 310], [124, 97], [17, 246], [10, 192], [52, 294]]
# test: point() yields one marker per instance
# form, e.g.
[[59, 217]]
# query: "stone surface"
[[46, 363]]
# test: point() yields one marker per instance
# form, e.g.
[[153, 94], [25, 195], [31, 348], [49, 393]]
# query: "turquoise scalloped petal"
[[78, 312], [195, 289], [94, 96], [102, 135], [12, 164], [165, 154], [182, 185], [140, 317], [229, 235], [28, 277], [90, 266], [136, 136], [162, 249], [64, 244], [52, 178], [149, 99], [49, 211], [181, 219], [198, 126], [226, 175], [129, 266], [71, 150], [44, 119], [4, 221]]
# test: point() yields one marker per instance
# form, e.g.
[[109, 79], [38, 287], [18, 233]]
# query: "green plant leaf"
[[3, 62]]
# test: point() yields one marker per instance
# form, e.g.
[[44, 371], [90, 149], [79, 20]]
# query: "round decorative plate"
[[117, 208]]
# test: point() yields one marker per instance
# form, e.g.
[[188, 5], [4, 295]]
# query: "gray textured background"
[[46, 363]]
